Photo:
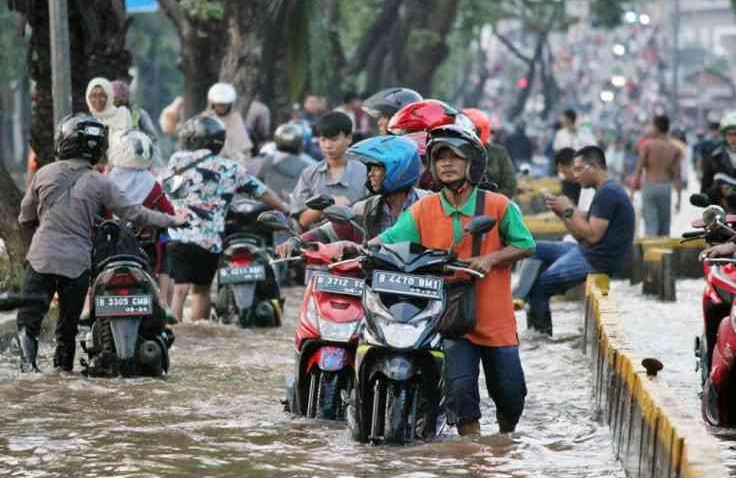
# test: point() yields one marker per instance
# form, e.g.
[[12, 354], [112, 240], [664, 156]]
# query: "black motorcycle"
[[128, 334], [399, 385], [248, 291]]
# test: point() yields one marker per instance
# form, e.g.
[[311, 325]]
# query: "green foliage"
[[12, 47], [153, 41], [203, 9], [607, 13]]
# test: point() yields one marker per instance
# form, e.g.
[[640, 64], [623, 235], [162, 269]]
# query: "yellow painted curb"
[[653, 433]]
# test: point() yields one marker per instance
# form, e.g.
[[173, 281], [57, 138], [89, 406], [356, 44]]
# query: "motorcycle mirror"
[[339, 214], [713, 214], [321, 202], [480, 225], [274, 221], [699, 200]]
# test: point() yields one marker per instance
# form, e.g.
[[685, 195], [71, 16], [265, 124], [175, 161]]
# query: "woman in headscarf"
[[100, 103]]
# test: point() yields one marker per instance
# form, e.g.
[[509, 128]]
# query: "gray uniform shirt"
[[316, 179], [62, 244]]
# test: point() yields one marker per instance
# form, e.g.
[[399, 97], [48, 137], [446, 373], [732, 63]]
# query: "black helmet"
[[80, 136], [388, 101], [202, 132], [464, 143], [289, 137]]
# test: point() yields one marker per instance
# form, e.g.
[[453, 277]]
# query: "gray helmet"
[[203, 132], [289, 137], [81, 136]]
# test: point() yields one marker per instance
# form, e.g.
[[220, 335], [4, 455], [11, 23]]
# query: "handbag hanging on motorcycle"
[[459, 318]]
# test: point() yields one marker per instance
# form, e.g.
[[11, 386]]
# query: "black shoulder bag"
[[459, 317]]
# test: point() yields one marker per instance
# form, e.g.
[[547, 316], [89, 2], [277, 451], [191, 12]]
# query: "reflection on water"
[[219, 414]]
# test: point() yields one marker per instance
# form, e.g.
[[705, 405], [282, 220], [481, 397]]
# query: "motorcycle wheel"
[[398, 411], [227, 311], [709, 405], [328, 401], [356, 418], [704, 359]]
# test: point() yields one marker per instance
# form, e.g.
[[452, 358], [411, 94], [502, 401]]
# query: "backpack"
[[113, 238]]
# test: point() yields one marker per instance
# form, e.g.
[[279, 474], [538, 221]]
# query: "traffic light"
[[522, 82]]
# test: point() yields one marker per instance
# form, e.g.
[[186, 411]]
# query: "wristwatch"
[[567, 213]]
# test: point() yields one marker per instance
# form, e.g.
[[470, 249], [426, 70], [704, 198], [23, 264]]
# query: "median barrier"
[[685, 262], [545, 226], [654, 435], [657, 274], [532, 200]]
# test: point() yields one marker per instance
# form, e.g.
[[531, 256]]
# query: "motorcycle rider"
[[281, 168], [201, 181], [222, 104], [59, 209], [393, 170], [457, 159], [500, 168], [382, 105], [723, 158]]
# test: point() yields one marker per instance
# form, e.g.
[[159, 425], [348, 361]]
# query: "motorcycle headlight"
[[401, 336], [337, 332]]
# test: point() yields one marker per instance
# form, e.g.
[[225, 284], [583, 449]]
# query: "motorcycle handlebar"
[[693, 234], [719, 260], [466, 270]]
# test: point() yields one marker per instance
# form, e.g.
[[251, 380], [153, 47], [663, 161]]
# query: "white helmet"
[[728, 122], [222, 93], [133, 149]]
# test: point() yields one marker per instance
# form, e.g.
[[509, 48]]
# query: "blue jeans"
[[564, 266], [504, 380]]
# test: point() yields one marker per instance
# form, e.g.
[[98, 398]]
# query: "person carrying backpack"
[[59, 210]]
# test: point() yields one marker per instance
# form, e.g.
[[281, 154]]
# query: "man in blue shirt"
[[604, 234]]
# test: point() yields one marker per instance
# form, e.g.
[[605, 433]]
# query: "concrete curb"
[[653, 434]]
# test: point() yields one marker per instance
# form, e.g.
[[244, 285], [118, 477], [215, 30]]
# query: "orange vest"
[[496, 323]]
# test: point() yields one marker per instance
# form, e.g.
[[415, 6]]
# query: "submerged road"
[[219, 414]]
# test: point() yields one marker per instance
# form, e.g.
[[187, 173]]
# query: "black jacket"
[[717, 162]]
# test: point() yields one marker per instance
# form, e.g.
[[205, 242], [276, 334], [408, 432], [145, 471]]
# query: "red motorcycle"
[[714, 349], [327, 333]]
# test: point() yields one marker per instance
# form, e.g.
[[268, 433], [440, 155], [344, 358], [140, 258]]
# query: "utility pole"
[[61, 79], [676, 61]]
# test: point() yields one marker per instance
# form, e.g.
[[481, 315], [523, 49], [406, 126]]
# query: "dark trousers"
[[504, 380], [71, 301]]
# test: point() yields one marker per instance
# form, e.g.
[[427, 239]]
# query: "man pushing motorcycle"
[[457, 159]]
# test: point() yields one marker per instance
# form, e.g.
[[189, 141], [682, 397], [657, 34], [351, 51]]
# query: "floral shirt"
[[206, 191]]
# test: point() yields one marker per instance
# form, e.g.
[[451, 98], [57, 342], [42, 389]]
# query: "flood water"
[[219, 414]]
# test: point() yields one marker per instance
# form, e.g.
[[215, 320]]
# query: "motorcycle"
[[399, 363], [248, 291], [127, 333], [327, 333], [714, 347]]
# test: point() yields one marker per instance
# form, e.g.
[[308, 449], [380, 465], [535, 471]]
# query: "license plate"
[[312, 270], [123, 305], [235, 275], [426, 287], [338, 285]]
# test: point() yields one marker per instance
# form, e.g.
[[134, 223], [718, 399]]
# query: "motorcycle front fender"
[[243, 294]]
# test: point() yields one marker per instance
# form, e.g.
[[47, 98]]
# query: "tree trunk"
[[432, 23], [15, 245], [203, 45], [242, 59]]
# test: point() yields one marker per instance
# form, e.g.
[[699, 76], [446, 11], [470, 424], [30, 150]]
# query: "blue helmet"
[[398, 155]]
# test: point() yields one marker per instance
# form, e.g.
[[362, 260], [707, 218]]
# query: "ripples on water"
[[218, 414]]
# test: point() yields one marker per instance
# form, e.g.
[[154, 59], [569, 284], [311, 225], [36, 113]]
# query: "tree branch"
[[511, 47], [385, 19], [171, 8]]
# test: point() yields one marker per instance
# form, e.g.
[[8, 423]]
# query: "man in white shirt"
[[569, 135]]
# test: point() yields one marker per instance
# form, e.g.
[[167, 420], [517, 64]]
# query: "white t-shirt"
[[575, 139]]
